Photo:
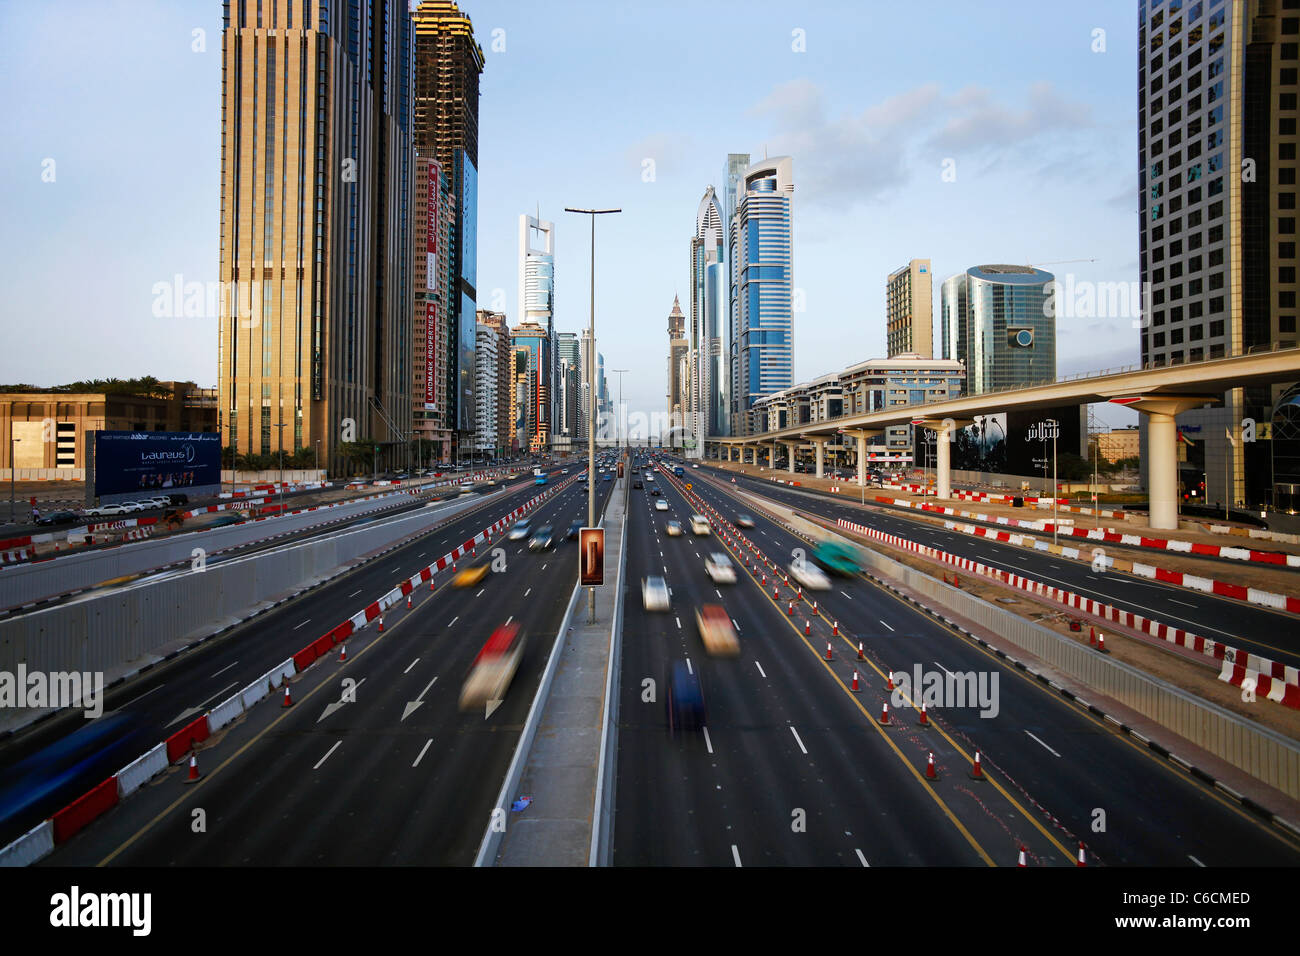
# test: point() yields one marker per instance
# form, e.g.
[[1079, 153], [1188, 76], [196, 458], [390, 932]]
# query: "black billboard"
[[1017, 442], [137, 463]]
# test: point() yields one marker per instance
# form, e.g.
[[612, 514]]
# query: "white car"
[[674, 529], [654, 594], [720, 568], [810, 576], [699, 525], [661, 505], [521, 530], [695, 466], [105, 511], [136, 505]]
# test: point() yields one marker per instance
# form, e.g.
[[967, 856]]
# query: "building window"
[[1216, 329]]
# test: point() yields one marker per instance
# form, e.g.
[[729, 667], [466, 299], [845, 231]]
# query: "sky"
[[963, 133]]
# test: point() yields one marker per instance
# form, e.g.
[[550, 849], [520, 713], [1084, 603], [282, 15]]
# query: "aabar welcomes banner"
[[132, 463]]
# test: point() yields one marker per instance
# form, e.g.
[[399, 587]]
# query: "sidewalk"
[[563, 764]]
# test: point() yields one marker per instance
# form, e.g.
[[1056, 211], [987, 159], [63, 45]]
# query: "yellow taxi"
[[468, 577]]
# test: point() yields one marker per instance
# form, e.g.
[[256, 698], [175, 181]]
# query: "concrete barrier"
[[141, 770], [225, 712], [30, 847]]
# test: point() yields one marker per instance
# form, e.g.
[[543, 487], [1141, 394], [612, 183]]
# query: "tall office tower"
[[496, 322], [707, 252], [762, 270], [590, 394], [447, 66], [678, 345], [569, 353], [486, 390], [602, 391], [537, 297], [533, 339], [733, 174], [999, 321], [430, 338], [909, 311], [317, 170], [1217, 98]]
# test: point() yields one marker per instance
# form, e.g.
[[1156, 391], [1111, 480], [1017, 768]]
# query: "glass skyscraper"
[[998, 320], [732, 176], [762, 268], [705, 332]]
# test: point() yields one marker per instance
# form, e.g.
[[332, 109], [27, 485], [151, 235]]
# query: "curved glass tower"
[[999, 320]]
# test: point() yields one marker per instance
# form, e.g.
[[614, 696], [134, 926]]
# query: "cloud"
[[668, 151], [870, 153]]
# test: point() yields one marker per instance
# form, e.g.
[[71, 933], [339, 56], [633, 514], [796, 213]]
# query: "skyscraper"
[[317, 170], [496, 323], [430, 331], [762, 270], [998, 321], [677, 348], [733, 175], [486, 390], [536, 293], [1217, 141], [532, 424], [448, 62], [909, 310], [707, 253], [570, 420]]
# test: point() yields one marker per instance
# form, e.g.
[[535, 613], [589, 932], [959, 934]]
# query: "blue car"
[[686, 708]]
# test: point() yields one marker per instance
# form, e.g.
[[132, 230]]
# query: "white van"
[[699, 525]]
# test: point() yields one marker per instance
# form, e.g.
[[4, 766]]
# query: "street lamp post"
[[13, 472], [591, 387], [281, 426]]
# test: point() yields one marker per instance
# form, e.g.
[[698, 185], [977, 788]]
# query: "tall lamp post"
[[591, 386], [281, 426], [622, 417], [13, 471]]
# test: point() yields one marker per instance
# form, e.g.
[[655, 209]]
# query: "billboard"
[[591, 557], [1016, 442], [128, 464]]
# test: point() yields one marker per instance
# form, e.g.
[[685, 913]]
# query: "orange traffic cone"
[[790, 608], [1021, 861], [855, 680], [930, 773], [890, 675], [408, 600], [431, 582], [884, 715], [925, 720], [343, 653], [814, 608], [860, 652], [194, 769], [976, 770], [288, 701], [1082, 861], [381, 623]]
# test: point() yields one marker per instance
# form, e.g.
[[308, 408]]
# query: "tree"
[[1071, 467], [360, 453]]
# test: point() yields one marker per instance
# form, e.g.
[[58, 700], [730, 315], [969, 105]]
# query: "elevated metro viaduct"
[[1159, 393]]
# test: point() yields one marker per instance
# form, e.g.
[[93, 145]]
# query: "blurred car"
[[223, 520], [637, 484], [655, 492], [574, 528], [490, 675], [810, 576], [608, 478], [674, 529], [654, 594], [716, 631], [521, 530], [719, 568], [699, 525], [58, 517], [744, 521], [468, 577], [686, 706], [178, 499], [661, 505], [543, 538], [695, 466]]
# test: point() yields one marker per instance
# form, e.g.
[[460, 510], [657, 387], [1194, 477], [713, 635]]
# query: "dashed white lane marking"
[[141, 697], [308, 621], [847, 596], [355, 593], [798, 741], [718, 593], [543, 567], [327, 755], [453, 620], [942, 668], [224, 669], [760, 669], [736, 623], [1183, 603], [1048, 749], [707, 742], [679, 622], [862, 858], [1195, 860], [409, 666], [510, 618], [422, 750], [420, 555], [528, 592], [735, 854], [480, 593], [886, 625], [689, 669]]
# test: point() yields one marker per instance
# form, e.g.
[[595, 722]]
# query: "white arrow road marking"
[[194, 710], [330, 708], [414, 704]]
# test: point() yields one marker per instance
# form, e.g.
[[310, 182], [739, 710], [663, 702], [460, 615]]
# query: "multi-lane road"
[[793, 767], [46, 768]]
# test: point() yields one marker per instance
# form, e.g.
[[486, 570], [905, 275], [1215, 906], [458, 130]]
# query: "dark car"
[[656, 491], [686, 707], [59, 517], [637, 484], [542, 539], [223, 520], [178, 499], [574, 528]]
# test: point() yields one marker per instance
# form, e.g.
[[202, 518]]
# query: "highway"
[[1269, 633], [60, 758], [729, 797]]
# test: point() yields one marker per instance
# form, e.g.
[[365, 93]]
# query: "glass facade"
[[999, 321]]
